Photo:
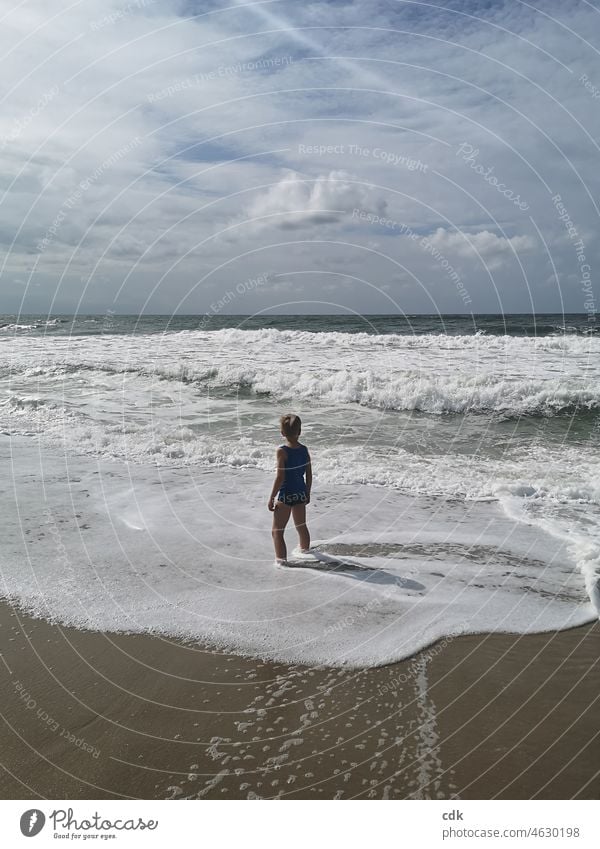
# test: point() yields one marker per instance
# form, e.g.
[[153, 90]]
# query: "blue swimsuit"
[[293, 490]]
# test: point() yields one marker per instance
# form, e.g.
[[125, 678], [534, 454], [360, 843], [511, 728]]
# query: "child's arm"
[[279, 478], [308, 478]]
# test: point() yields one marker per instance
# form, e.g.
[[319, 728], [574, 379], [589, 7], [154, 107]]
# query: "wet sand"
[[94, 715]]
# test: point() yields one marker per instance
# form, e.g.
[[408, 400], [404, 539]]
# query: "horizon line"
[[293, 315]]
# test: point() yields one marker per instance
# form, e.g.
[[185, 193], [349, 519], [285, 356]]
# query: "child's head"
[[291, 426]]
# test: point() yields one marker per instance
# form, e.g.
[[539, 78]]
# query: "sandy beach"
[[94, 715]]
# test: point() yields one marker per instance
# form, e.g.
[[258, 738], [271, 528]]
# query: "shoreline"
[[114, 716]]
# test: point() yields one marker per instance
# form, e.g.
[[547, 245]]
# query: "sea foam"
[[187, 554]]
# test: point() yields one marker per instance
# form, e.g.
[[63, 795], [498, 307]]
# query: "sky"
[[319, 157]]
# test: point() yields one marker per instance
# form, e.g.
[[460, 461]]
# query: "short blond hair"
[[291, 426]]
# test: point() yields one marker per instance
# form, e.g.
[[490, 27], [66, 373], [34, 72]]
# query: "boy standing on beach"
[[291, 489]]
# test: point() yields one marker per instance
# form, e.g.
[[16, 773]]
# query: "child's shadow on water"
[[347, 569]]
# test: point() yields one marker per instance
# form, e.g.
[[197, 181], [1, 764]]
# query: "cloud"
[[296, 201], [484, 243]]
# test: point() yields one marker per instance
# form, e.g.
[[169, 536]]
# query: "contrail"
[[306, 41]]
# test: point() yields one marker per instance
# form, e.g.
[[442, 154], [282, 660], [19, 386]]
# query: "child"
[[291, 488]]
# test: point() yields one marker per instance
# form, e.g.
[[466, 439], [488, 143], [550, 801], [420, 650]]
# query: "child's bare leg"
[[299, 514], [281, 514]]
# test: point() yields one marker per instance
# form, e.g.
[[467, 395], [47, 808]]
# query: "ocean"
[[455, 459]]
